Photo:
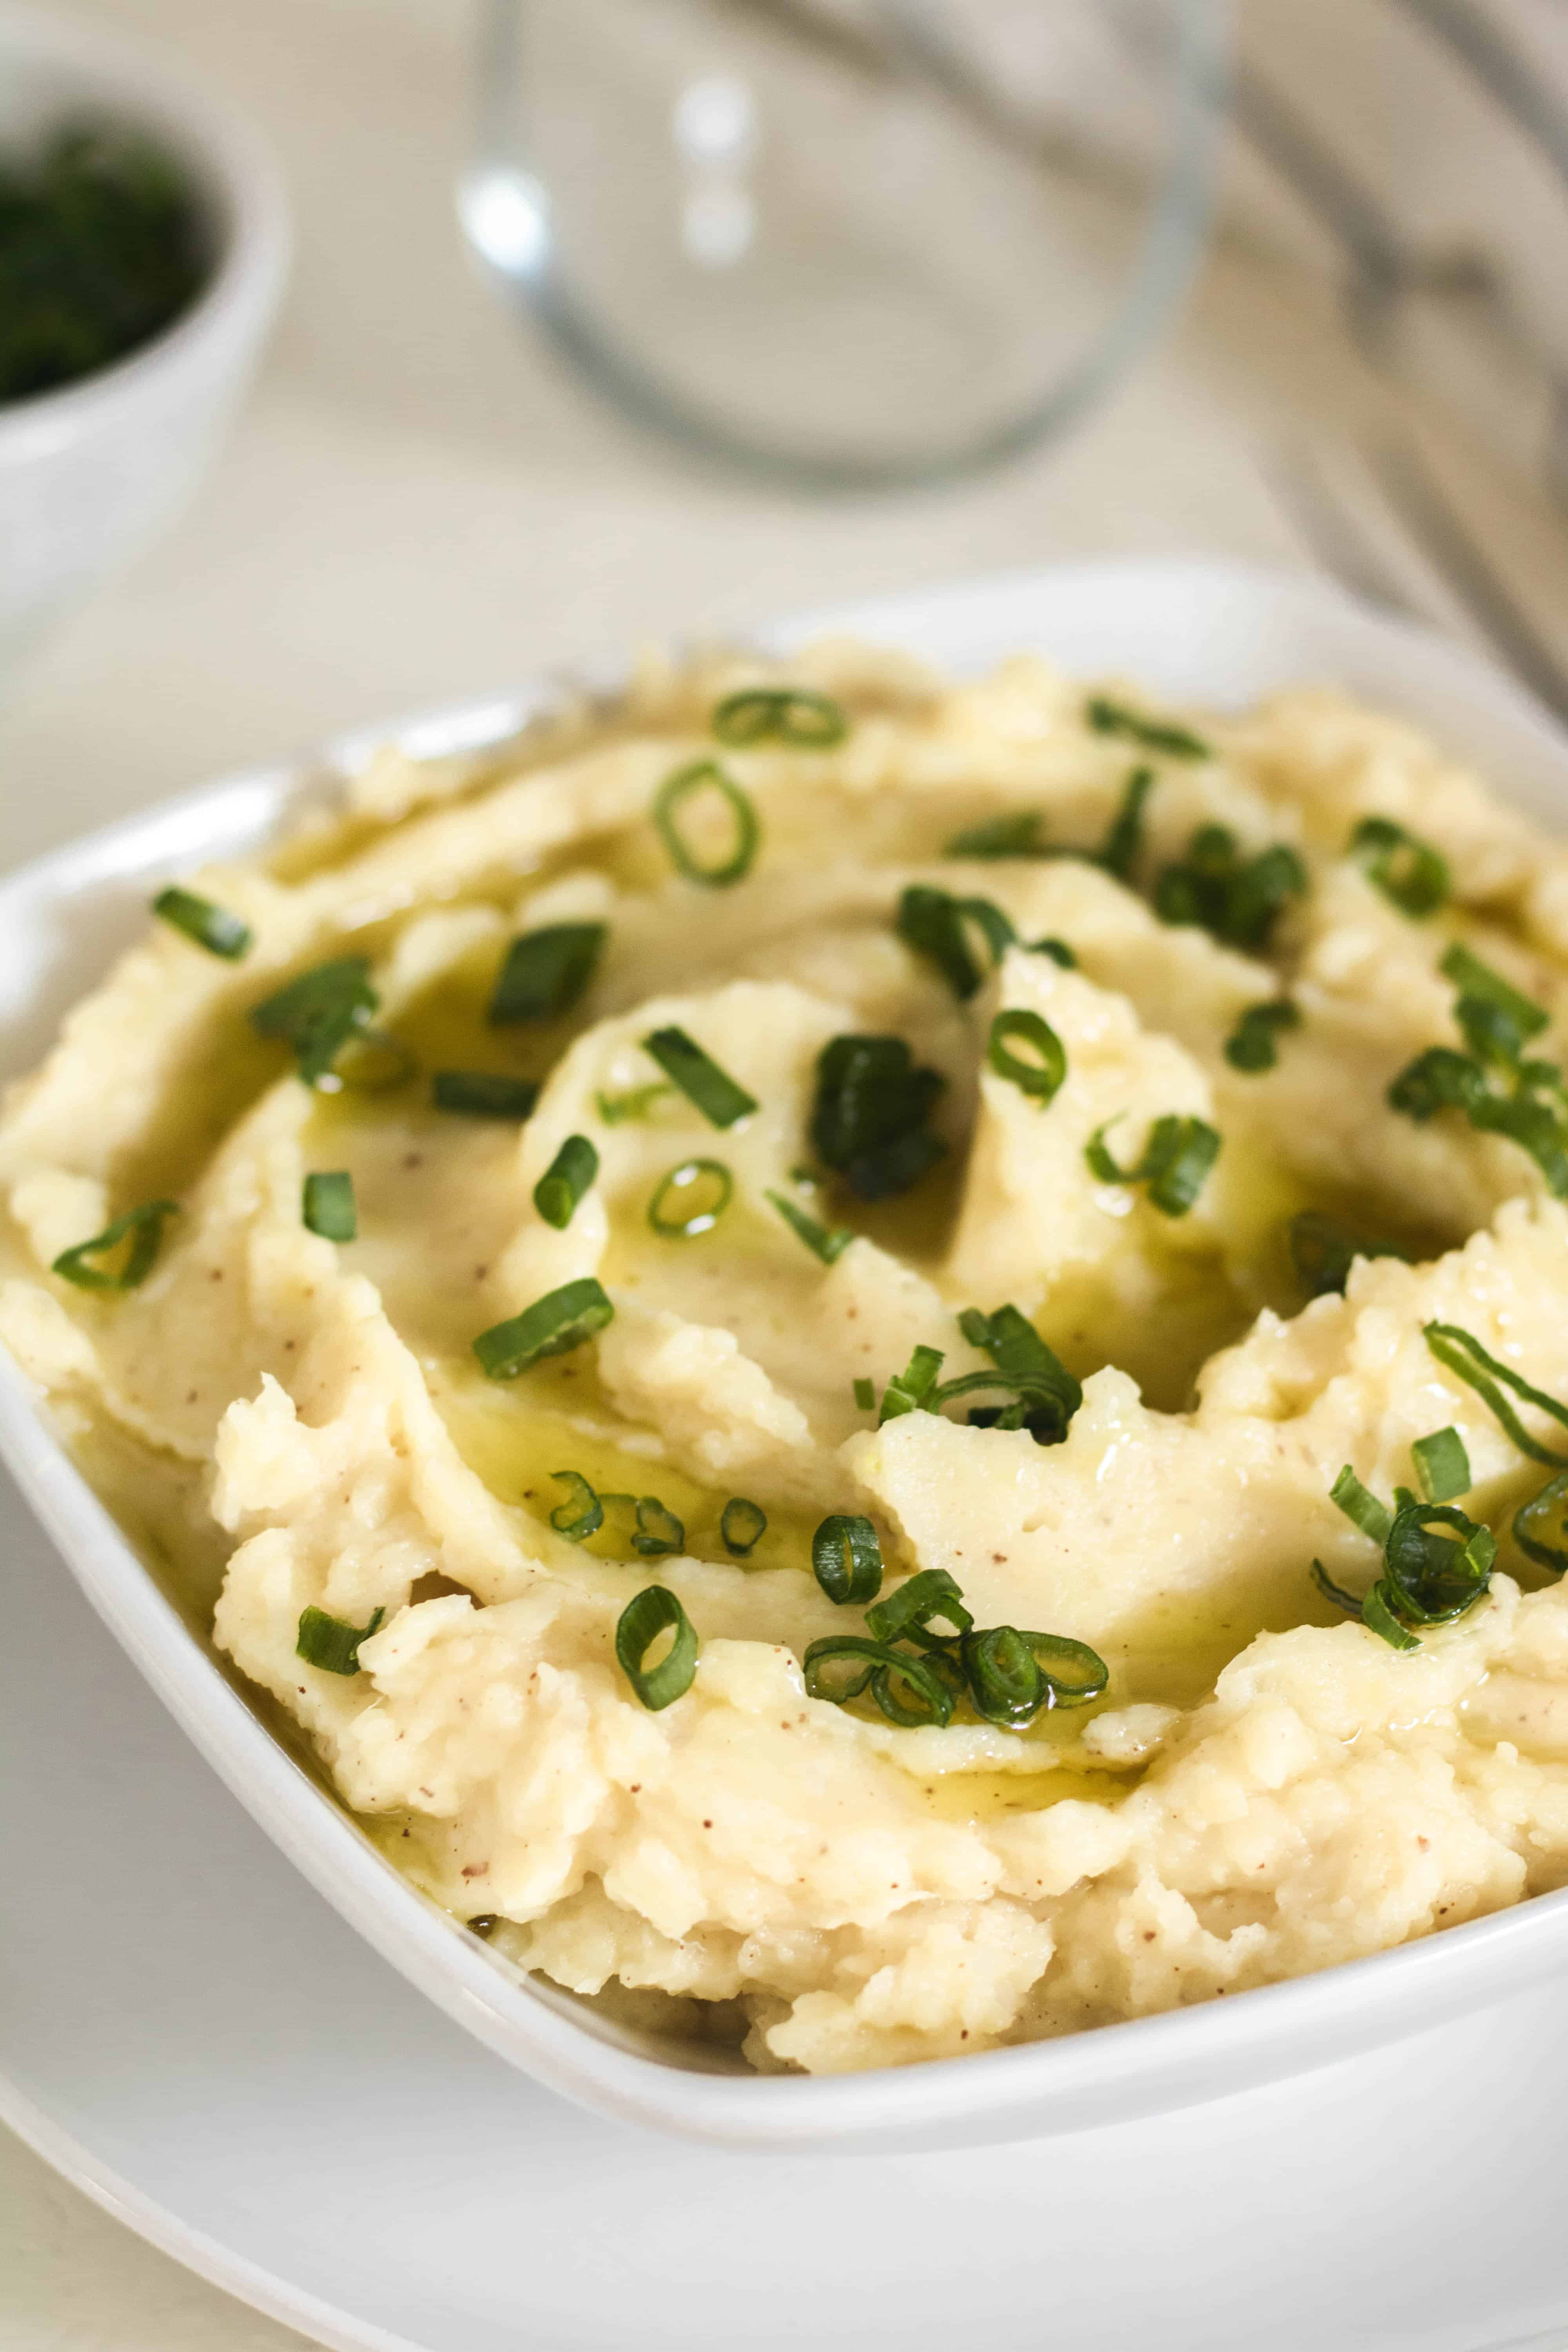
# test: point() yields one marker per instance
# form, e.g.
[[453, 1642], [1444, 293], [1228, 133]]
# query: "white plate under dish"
[[1211, 632]]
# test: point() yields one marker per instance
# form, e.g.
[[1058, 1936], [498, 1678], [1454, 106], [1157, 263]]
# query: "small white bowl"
[[1209, 633], [88, 473]]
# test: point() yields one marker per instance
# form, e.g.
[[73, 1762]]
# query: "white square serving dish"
[[1208, 632]]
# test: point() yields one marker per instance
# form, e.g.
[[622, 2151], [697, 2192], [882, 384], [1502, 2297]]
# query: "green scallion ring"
[[906, 1614], [327, 1206], [1071, 1671], [328, 1643], [209, 927], [827, 1241], [560, 1320], [565, 1181], [144, 1229], [1042, 1071], [713, 1091], [483, 1094], [789, 714], [846, 1559], [703, 1219], [1004, 1683], [659, 1529], [742, 1523], [581, 1514], [703, 776], [656, 1610], [1545, 1515]]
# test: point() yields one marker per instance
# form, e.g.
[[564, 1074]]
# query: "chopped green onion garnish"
[[908, 1691], [326, 1641], [144, 1228], [1004, 1681], [319, 1012], [827, 1241], [1058, 950], [562, 1319], [745, 830], [846, 1559], [545, 972], [905, 1614], [1498, 1022], [614, 1109], [692, 1199], [1360, 1506], [1438, 1080], [932, 923], [1462, 1354], [1039, 1072], [654, 1612], [581, 1514], [565, 1181], [1108, 718], [1016, 835], [789, 714], [742, 1524], [865, 1395], [1124, 835], [1428, 1578], [869, 1119], [1176, 1158], [1335, 1592], [1236, 900], [1324, 1251], [1442, 1465], [1411, 873], [483, 1094], [328, 1206], [1251, 1045], [213, 927], [700, 1079], [1048, 1395], [658, 1530], [1540, 1525], [912, 1390], [1378, 1618]]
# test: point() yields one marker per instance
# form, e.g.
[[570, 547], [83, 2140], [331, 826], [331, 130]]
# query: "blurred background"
[[616, 319]]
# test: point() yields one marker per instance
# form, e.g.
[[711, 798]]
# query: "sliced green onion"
[[1108, 718], [932, 923], [327, 1206], [565, 1181], [841, 1667], [865, 1395], [742, 1525], [1048, 1391], [1411, 873], [1438, 1080], [143, 1227], [1176, 1160], [545, 972], [1379, 1619], [708, 1188], [1124, 835], [1503, 1021], [827, 1241], [658, 1530], [906, 1614], [1442, 1465], [1236, 900], [210, 927], [1253, 1042], [483, 1094], [1360, 1506], [868, 1118], [319, 1012], [789, 714], [1463, 1355], [580, 1514], [1015, 836], [846, 1559], [700, 1079], [1004, 1683], [1324, 1251], [654, 1612], [1540, 1525], [746, 832], [911, 1389], [1071, 1671], [562, 1319], [1041, 1071], [1335, 1592], [1534, 1127], [615, 1109], [1427, 1578], [1058, 950], [326, 1641]]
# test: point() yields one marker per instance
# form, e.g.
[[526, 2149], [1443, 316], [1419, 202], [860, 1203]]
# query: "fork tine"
[[1425, 509]]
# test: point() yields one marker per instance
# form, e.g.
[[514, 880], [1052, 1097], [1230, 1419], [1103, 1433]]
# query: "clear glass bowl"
[[852, 245]]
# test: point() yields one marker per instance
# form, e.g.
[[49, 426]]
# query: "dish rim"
[[1103, 2074]]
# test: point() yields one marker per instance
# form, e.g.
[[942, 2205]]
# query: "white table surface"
[[418, 503]]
